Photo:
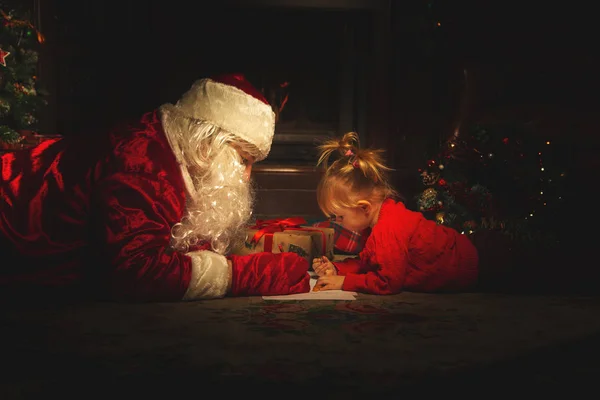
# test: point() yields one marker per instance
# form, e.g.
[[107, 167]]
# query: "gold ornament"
[[429, 179], [427, 200], [439, 217], [429, 194]]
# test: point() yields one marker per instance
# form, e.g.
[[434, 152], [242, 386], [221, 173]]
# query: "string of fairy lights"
[[535, 194], [543, 195], [545, 185]]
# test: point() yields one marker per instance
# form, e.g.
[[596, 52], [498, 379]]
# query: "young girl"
[[404, 251], [407, 252]]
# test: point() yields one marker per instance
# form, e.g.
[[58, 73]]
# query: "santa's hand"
[[329, 282], [322, 266]]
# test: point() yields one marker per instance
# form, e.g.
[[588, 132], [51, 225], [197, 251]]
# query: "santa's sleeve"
[[135, 214]]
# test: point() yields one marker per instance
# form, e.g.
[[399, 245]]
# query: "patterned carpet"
[[375, 345]]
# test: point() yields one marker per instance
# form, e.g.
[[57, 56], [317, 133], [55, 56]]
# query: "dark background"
[[403, 74], [384, 68]]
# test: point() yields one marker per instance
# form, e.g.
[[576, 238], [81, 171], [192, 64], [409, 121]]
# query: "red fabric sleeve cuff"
[[354, 283]]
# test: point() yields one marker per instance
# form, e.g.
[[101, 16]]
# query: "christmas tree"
[[21, 98], [499, 176]]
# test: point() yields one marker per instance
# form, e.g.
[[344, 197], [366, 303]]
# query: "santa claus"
[[150, 211]]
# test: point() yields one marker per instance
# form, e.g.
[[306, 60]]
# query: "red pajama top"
[[407, 252]]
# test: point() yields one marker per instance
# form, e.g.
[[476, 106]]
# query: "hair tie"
[[353, 162]]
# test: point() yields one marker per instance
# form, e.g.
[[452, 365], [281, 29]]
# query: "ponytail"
[[355, 174]]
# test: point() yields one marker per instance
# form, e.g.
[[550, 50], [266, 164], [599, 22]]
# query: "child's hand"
[[322, 266], [329, 282]]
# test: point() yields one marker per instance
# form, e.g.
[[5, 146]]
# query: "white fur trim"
[[211, 276], [233, 110]]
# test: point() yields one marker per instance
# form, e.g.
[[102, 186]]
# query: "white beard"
[[219, 209], [220, 200]]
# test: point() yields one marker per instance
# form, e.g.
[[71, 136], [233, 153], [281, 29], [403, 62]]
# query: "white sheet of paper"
[[324, 295]]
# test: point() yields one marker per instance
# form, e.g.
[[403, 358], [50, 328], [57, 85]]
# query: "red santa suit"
[[96, 212], [406, 251]]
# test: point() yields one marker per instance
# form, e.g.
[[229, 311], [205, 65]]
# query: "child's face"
[[353, 218]]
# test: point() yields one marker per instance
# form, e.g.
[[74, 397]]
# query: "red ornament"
[[3, 55], [470, 224]]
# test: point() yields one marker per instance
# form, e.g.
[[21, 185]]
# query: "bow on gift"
[[267, 227]]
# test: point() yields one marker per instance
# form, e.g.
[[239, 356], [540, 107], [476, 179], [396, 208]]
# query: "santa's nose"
[[247, 172]]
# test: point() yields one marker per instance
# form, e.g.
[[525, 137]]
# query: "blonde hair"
[[358, 174]]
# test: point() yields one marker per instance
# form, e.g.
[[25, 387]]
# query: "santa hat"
[[233, 104]]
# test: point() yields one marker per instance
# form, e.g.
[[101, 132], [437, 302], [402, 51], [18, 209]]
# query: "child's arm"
[[386, 278], [382, 281], [350, 265]]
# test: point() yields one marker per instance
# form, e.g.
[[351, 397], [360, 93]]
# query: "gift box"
[[288, 235]]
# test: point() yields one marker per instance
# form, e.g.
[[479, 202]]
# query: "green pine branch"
[[21, 96], [493, 177]]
